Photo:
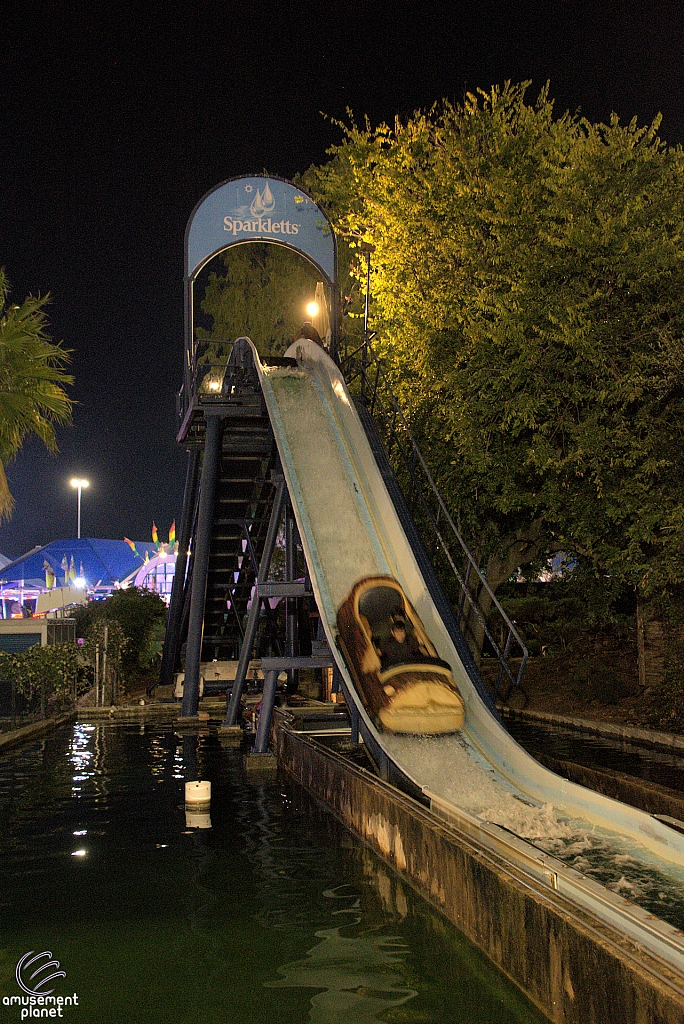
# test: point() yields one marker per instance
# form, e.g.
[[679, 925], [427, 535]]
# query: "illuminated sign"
[[259, 209]]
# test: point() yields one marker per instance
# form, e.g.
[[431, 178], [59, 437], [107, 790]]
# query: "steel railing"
[[219, 372], [478, 612]]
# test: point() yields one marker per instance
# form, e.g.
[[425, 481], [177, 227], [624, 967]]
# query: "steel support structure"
[[202, 540], [171, 650], [271, 667], [233, 704], [290, 602]]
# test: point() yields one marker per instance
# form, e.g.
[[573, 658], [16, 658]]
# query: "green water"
[[275, 914]]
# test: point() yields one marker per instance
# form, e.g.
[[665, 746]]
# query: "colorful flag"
[[172, 533], [65, 569], [49, 574], [155, 534], [132, 547], [80, 570], [72, 570]]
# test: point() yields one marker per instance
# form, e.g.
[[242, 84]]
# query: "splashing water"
[[451, 768]]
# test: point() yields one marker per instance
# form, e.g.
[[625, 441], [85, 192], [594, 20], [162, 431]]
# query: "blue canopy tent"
[[102, 563]]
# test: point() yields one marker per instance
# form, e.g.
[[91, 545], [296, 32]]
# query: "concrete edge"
[[613, 730], [34, 731], [126, 711], [642, 793], [550, 949]]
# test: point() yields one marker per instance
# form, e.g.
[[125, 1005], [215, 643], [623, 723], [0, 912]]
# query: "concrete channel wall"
[[670, 742], [647, 796], [570, 964], [33, 731]]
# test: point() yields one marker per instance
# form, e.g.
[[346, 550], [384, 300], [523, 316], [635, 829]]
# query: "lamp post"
[[79, 484]]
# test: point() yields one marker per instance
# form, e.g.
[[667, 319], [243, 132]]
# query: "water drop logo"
[[263, 202], [40, 962]]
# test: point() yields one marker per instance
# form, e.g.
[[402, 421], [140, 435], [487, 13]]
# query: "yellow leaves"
[[531, 269]]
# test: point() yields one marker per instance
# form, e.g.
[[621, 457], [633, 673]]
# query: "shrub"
[[44, 674], [140, 615]]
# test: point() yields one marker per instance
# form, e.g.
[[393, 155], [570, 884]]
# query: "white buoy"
[[197, 792]]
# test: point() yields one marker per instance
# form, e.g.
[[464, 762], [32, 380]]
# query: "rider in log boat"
[[403, 683]]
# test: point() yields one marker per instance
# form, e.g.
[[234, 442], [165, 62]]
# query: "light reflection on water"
[[274, 914]]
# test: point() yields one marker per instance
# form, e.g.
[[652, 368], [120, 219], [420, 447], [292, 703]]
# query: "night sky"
[[117, 119]]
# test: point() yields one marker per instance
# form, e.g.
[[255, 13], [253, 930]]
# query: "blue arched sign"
[[258, 208]]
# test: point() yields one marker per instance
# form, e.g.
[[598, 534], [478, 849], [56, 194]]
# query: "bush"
[[552, 616], [140, 615], [546, 621], [44, 675], [663, 705]]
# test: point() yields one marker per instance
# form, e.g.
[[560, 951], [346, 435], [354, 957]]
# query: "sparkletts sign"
[[259, 209]]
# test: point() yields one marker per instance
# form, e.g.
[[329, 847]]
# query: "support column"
[[267, 702], [290, 602], [202, 540], [173, 626]]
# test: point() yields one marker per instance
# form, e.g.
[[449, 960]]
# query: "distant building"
[[97, 566]]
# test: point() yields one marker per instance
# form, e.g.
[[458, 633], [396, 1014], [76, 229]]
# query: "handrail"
[[438, 531], [220, 371]]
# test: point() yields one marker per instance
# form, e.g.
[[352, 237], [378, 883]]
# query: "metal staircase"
[[228, 495], [244, 494]]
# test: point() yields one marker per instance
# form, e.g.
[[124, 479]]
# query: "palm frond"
[[33, 379], [6, 499]]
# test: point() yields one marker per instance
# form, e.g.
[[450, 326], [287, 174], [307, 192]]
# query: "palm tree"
[[32, 381]]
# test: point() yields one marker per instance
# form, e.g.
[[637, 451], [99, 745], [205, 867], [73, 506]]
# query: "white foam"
[[450, 768]]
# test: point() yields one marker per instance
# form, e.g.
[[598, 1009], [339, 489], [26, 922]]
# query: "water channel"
[[666, 768], [275, 914]]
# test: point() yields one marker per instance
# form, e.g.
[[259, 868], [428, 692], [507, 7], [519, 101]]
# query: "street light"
[[79, 484]]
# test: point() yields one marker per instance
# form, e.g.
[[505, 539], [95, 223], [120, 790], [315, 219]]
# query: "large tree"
[[527, 284], [33, 399], [260, 290]]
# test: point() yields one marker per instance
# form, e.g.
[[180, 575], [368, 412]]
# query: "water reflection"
[[362, 975], [274, 914]]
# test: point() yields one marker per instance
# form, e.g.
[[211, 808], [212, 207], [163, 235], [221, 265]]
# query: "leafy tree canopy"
[[261, 292], [527, 283], [32, 381]]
